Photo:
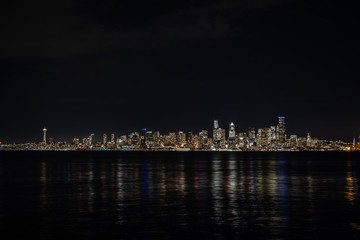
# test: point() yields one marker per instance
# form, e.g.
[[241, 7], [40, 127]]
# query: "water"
[[178, 195]]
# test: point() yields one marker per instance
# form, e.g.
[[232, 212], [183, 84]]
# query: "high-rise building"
[[181, 138], [112, 138], [222, 134], [308, 140], [272, 135], [281, 130], [262, 137], [190, 138], [149, 139], [203, 138], [242, 139], [172, 138], [232, 133], [216, 132], [216, 124], [251, 136], [204, 134], [91, 138], [293, 140], [44, 131], [76, 141], [104, 139], [156, 137], [135, 139]]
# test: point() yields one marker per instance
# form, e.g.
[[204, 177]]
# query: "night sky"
[[82, 67]]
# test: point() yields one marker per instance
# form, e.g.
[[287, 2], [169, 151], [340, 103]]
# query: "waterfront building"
[[190, 138], [251, 136], [156, 138], [216, 124], [203, 139], [172, 139], [293, 141], [281, 130], [76, 141], [262, 138], [181, 139], [105, 139], [232, 133], [112, 138], [91, 138], [149, 140], [242, 140], [308, 140]]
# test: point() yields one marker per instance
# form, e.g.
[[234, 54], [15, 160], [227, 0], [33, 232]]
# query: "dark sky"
[[82, 67]]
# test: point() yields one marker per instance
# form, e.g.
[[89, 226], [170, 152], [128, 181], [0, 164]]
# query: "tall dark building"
[[281, 130]]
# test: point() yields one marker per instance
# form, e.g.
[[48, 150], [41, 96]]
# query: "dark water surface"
[[178, 195]]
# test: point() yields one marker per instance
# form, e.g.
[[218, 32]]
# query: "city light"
[[272, 138]]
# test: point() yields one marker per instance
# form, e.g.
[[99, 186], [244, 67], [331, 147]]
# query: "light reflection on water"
[[153, 195], [351, 184]]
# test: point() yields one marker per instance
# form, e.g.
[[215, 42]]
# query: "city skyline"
[[99, 136], [268, 138], [83, 66]]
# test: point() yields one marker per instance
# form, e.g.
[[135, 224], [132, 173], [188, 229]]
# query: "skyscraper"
[[203, 138], [91, 137], [104, 139], [44, 131], [216, 124], [251, 136], [149, 139], [216, 131], [281, 130], [190, 138], [232, 131], [112, 138]]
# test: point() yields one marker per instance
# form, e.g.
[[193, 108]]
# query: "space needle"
[[44, 131]]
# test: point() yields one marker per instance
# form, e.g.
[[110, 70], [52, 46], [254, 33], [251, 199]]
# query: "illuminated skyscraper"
[[44, 131], [76, 141], [272, 135], [149, 139], [262, 137], [281, 130], [222, 134], [190, 138], [91, 139], [203, 138], [104, 139], [216, 131], [172, 138], [180, 138], [354, 142], [217, 134], [251, 136], [293, 140], [232, 131], [156, 137], [112, 138], [216, 124], [242, 140]]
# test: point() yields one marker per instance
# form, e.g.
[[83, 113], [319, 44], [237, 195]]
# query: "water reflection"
[[165, 195], [351, 184], [216, 189]]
